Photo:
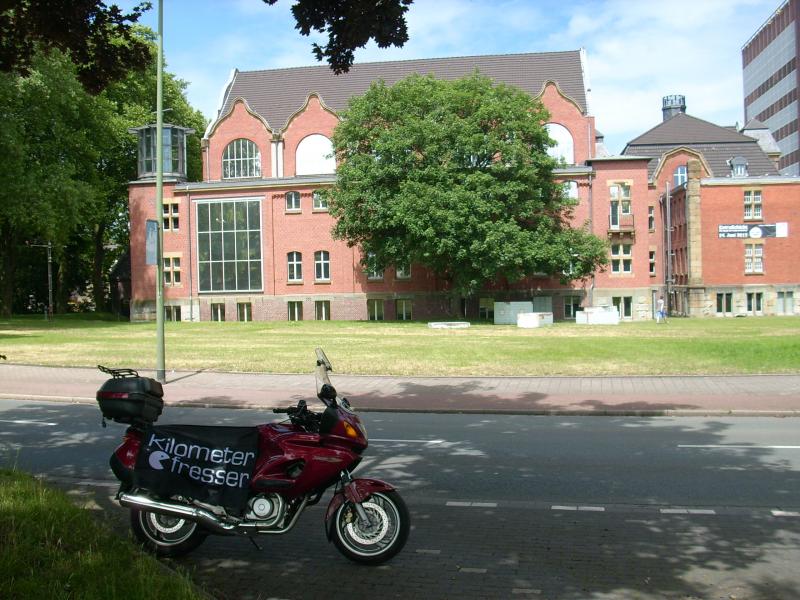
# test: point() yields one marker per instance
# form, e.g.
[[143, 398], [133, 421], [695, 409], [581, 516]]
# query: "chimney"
[[672, 105]]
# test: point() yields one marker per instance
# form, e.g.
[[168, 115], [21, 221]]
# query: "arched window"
[[679, 176], [292, 201], [294, 262], [564, 148], [241, 159], [571, 189], [322, 265], [314, 156]]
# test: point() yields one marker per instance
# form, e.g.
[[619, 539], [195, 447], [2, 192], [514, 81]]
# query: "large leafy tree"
[[99, 39], [68, 160], [455, 176]]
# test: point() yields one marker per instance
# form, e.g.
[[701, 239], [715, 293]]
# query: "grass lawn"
[[51, 549], [682, 346]]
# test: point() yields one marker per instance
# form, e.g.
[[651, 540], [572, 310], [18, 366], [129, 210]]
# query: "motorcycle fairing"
[[206, 463], [356, 491]]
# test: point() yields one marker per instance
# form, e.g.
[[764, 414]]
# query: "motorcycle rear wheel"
[[164, 535], [385, 537]]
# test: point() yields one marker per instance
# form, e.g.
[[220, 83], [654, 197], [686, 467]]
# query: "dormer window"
[[241, 159], [738, 166]]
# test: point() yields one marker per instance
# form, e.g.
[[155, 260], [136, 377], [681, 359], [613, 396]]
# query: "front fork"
[[355, 491]]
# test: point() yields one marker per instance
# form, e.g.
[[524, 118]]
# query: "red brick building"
[[252, 240]]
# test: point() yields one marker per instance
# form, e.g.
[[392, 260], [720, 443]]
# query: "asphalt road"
[[503, 506]]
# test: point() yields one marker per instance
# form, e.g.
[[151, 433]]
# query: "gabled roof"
[[277, 94], [717, 145], [685, 129]]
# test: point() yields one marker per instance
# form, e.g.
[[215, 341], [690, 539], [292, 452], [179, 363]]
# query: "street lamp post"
[[160, 361]]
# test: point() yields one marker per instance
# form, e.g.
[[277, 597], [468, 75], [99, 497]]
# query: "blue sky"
[[638, 50]]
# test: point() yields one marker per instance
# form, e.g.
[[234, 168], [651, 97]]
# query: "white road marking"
[[745, 446], [408, 441], [785, 513], [471, 570], [23, 422], [583, 508], [472, 504], [687, 511]]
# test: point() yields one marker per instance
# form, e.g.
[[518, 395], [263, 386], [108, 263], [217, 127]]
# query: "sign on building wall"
[[151, 242], [753, 231]]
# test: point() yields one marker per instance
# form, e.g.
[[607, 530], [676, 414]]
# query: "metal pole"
[[49, 281], [160, 363], [668, 266]]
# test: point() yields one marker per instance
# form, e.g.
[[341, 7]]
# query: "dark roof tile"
[[277, 94]]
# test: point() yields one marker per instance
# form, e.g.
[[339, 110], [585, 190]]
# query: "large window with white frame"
[[294, 266], [624, 306], [402, 309], [292, 201], [229, 245], [753, 258], [322, 265], [314, 156], [375, 309], [403, 271], [295, 310], [680, 175], [724, 303], [241, 159], [319, 201], [171, 212], [564, 148], [785, 303], [373, 272], [755, 303], [621, 258], [572, 304], [752, 204], [322, 310], [172, 270]]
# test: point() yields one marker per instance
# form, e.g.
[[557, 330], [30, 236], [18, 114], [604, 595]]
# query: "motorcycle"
[[183, 483]]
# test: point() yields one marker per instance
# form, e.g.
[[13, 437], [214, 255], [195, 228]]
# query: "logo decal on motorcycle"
[[156, 458]]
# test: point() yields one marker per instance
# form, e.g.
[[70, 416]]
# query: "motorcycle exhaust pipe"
[[191, 513]]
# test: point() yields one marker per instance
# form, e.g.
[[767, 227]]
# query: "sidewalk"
[[769, 395]]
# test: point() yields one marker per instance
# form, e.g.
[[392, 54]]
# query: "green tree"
[[99, 39], [455, 176], [350, 24]]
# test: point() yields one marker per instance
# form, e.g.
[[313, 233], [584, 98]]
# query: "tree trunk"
[[98, 281], [8, 251]]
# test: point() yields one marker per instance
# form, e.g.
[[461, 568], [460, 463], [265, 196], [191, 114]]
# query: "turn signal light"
[[350, 430]]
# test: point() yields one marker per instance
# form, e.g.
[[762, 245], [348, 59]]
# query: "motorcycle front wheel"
[[379, 541], [165, 535]]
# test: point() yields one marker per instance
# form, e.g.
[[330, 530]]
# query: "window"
[[755, 303], [172, 313], [785, 303], [651, 218], [320, 202], [621, 198], [652, 263], [724, 303], [571, 189], [621, 261], [753, 258], [217, 311], [402, 310], [292, 201], [373, 272], [322, 266], [375, 310], [294, 263], [172, 270], [241, 159], [229, 245], [624, 305], [295, 310], [486, 309], [679, 176], [322, 310], [563, 148], [403, 271], [738, 166], [314, 156], [572, 304], [244, 311], [170, 216], [752, 204]]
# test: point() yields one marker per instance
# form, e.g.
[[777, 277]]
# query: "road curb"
[[666, 412]]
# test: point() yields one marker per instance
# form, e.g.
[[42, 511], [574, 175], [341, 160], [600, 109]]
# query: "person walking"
[[661, 313]]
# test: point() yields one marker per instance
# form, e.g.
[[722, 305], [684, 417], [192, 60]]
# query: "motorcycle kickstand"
[[255, 543]]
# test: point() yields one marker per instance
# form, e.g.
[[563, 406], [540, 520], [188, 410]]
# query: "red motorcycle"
[[185, 482]]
